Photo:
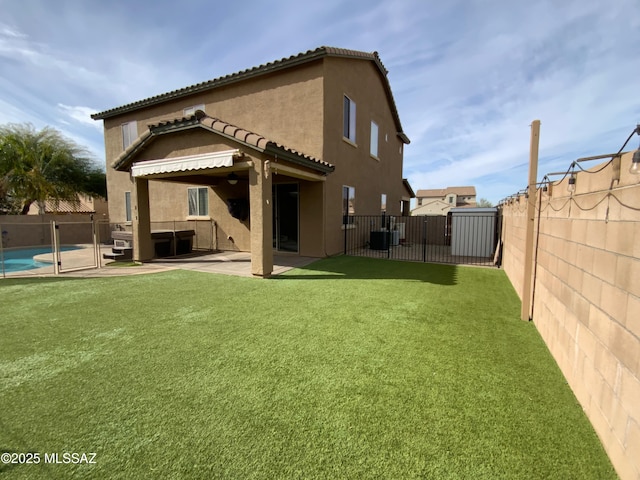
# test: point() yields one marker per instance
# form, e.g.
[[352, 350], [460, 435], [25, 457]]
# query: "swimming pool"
[[21, 259]]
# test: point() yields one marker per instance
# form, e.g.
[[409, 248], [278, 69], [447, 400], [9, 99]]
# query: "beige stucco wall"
[[433, 207], [300, 108], [285, 107], [587, 298], [371, 177]]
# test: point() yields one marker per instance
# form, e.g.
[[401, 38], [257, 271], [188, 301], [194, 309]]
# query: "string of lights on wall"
[[547, 184]]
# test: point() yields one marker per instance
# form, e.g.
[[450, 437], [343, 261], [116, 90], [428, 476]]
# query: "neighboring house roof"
[[443, 192], [267, 68], [83, 205], [202, 120]]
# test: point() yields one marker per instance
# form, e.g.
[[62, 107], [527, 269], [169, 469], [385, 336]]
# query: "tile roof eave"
[[407, 185], [201, 120], [264, 69]]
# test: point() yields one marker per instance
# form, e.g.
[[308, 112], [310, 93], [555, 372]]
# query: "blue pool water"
[[21, 259]]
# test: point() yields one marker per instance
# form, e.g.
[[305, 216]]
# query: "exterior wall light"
[[572, 183], [232, 178], [546, 186], [635, 163]]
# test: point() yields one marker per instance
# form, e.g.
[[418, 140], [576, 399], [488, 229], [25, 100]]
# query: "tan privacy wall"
[[586, 295]]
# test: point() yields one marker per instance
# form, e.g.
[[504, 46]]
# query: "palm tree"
[[43, 165]]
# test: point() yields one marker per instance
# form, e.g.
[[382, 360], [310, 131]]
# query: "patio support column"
[[142, 244], [261, 217]]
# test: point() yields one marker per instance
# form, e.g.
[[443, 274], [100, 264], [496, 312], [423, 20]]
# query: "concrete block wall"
[[514, 223], [586, 299]]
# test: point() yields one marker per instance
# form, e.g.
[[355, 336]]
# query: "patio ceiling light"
[[232, 178]]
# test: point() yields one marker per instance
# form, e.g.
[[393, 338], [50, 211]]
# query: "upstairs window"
[[129, 134], [187, 112], [198, 201], [373, 149], [383, 203], [349, 119]]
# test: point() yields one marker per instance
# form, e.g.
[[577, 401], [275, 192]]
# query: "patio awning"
[[183, 164]]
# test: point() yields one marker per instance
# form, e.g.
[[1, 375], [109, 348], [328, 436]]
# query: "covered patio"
[[237, 165]]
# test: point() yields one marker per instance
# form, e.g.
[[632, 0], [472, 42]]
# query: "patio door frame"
[[280, 221]]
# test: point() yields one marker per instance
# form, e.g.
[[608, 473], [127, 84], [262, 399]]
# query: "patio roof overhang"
[[286, 160]]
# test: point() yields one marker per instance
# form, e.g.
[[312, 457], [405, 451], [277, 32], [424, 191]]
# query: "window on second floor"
[[383, 203], [129, 134], [198, 201], [349, 119], [373, 149], [187, 112]]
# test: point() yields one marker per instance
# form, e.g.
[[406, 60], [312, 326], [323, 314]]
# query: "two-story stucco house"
[[275, 154], [439, 201]]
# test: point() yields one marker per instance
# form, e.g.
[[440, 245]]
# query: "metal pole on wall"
[[525, 313]]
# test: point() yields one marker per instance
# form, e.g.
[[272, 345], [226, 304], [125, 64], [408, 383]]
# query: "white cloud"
[[468, 76], [81, 114]]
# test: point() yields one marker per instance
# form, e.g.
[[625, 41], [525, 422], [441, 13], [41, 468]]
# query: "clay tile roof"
[[65, 206], [282, 64], [202, 120]]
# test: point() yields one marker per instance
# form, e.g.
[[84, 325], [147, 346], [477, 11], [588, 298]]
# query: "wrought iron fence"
[[456, 238]]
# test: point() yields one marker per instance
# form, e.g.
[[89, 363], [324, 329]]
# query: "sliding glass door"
[[285, 217]]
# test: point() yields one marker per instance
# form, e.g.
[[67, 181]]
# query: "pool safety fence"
[[44, 248]]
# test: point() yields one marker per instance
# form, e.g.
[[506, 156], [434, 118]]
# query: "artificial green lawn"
[[349, 368]]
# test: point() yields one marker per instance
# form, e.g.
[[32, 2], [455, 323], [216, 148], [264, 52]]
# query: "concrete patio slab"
[[75, 263]]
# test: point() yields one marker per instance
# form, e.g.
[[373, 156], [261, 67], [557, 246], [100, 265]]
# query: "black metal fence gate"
[[458, 238]]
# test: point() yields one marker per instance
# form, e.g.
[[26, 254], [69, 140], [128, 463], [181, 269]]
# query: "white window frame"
[[187, 112], [200, 205], [374, 142], [349, 119], [129, 133], [127, 207]]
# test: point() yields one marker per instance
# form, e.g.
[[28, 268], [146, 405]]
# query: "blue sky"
[[468, 76]]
